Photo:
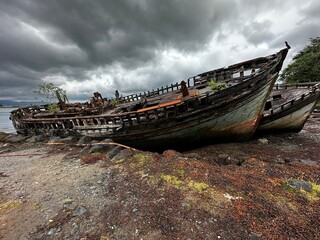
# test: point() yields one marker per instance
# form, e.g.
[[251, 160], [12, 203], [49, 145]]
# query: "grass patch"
[[217, 86], [312, 195], [198, 187], [141, 160], [282, 201], [173, 180], [10, 204], [118, 160]]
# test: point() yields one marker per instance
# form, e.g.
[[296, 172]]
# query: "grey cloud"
[[258, 32], [313, 10], [109, 31], [73, 37], [299, 36], [81, 39]]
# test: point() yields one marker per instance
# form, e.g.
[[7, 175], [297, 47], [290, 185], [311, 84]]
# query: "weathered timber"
[[164, 116], [290, 109]]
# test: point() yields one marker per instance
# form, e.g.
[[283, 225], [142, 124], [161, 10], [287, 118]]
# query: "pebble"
[[67, 201], [253, 235], [309, 162], [263, 140], [74, 230], [84, 140], [52, 231], [79, 211]]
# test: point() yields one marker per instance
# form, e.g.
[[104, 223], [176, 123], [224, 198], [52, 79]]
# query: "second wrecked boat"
[[174, 116], [289, 108]]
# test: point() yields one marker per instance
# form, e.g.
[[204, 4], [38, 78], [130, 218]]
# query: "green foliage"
[[114, 102], [173, 180], [305, 66], [141, 160], [198, 187], [10, 204], [313, 195], [217, 86], [53, 108], [48, 92]]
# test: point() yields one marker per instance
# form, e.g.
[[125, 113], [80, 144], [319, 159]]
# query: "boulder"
[[69, 140], [3, 136], [37, 138], [101, 146], [171, 154], [299, 184], [125, 153], [84, 140], [113, 152], [54, 140], [16, 138]]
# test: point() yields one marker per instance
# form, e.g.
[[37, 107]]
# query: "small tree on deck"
[[48, 92]]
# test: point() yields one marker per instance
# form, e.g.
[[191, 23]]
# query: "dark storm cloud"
[[112, 31], [79, 41], [72, 37], [18, 85]]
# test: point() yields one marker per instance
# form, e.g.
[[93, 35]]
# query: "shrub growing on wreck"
[[47, 92], [114, 102], [53, 108], [217, 86]]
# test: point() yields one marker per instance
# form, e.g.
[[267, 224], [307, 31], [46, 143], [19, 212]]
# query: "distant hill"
[[16, 103]]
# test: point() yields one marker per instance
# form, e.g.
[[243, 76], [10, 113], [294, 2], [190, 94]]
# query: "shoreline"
[[247, 190]]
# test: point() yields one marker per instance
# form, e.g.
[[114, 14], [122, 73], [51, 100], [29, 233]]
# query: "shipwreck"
[[193, 111], [289, 107]]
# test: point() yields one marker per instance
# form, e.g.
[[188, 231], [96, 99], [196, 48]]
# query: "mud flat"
[[266, 188]]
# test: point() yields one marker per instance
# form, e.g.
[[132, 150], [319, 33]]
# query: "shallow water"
[[5, 122]]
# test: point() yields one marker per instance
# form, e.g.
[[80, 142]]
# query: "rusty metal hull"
[[291, 116]]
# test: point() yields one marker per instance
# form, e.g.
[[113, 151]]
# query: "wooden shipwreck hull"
[[291, 107], [165, 117]]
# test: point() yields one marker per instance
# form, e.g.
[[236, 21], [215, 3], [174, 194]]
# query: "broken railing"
[[303, 97], [113, 123], [223, 74], [153, 93], [232, 74], [296, 85]]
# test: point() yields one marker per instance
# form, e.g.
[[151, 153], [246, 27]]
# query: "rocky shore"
[[69, 188]]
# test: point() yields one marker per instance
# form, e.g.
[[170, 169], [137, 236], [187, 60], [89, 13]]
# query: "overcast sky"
[[135, 45]]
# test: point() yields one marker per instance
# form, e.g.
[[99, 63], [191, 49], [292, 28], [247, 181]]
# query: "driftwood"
[[84, 145]]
